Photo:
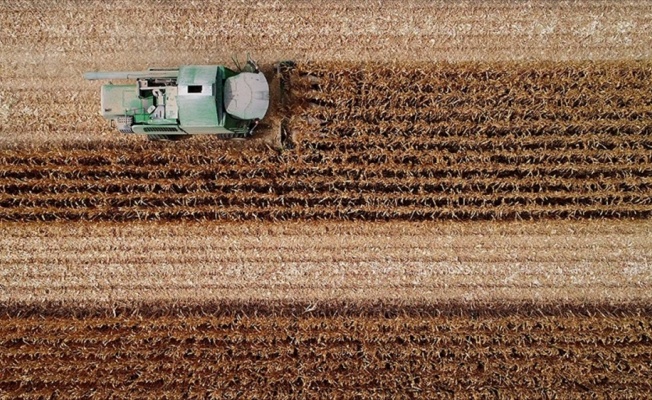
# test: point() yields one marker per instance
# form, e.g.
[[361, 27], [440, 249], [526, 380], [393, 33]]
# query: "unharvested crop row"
[[521, 151], [129, 156], [487, 142], [408, 93], [372, 184], [478, 109], [468, 78], [429, 199], [465, 154], [420, 129], [599, 150], [570, 118], [356, 167], [438, 113], [301, 198], [305, 354], [586, 147], [537, 185], [456, 211], [332, 103]]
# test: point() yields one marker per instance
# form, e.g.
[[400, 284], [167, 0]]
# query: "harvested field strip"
[[583, 261], [379, 141], [227, 349], [414, 254], [58, 40]]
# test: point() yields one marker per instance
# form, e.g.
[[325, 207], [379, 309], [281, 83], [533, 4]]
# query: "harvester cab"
[[169, 103]]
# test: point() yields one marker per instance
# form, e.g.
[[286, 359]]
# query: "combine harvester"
[[168, 104]]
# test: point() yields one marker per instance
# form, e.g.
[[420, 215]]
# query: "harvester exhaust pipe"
[[250, 66]]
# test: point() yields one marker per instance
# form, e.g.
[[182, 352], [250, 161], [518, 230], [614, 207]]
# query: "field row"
[[225, 353], [457, 94], [344, 154], [125, 185], [185, 211], [170, 193], [366, 143], [313, 261]]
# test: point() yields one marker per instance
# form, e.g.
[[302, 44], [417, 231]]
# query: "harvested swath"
[[105, 33], [229, 350], [380, 141], [95, 264], [46, 46]]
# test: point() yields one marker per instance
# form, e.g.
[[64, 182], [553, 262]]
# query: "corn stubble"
[[371, 141]]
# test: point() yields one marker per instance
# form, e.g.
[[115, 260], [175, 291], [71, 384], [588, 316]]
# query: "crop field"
[[380, 142], [458, 204], [116, 263], [245, 351]]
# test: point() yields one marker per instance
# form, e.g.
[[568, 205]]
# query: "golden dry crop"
[[344, 351], [376, 141], [162, 270]]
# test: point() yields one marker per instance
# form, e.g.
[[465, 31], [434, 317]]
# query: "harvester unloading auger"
[[170, 103]]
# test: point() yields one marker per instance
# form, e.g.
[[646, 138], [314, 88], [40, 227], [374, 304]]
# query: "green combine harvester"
[[167, 104]]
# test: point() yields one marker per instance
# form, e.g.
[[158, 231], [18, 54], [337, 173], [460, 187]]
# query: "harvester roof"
[[198, 87]]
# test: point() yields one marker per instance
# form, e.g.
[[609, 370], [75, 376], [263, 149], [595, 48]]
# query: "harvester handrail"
[[98, 75]]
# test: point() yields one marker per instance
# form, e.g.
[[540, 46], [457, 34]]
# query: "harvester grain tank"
[[192, 99]]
